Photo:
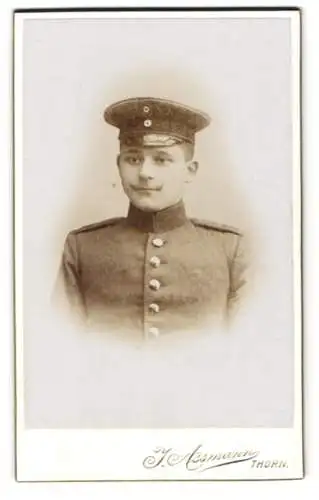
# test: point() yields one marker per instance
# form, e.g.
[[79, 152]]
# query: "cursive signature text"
[[197, 459]]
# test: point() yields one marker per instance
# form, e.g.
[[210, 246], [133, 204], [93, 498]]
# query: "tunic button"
[[154, 308], [154, 331], [155, 261], [147, 123], [158, 242], [154, 284]]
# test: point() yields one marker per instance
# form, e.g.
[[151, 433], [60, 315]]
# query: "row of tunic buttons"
[[155, 285]]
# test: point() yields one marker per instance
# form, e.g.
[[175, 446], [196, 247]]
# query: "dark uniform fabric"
[[152, 274]]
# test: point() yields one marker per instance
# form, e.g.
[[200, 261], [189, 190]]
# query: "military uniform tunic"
[[152, 274]]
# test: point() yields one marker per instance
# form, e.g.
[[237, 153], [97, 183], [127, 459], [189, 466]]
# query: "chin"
[[146, 203]]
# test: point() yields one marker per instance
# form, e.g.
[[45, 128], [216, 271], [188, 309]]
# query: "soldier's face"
[[154, 178]]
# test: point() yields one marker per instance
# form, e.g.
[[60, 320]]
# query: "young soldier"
[[154, 271]]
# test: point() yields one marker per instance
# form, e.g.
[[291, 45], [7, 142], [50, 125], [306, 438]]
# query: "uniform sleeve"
[[68, 293], [238, 274]]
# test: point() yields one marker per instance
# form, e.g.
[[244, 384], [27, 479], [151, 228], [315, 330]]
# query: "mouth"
[[144, 189]]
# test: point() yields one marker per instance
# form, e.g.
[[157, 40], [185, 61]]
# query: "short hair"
[[188, 147]]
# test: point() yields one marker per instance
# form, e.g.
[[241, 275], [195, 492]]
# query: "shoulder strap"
[[98, 225], [223, 228]]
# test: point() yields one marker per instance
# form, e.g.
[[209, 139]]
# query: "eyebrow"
[[162, 152]]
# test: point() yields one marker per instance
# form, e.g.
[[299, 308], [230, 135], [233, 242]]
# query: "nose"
[[146, 171]]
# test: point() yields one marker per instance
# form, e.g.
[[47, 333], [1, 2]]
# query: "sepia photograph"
[[157, 204], [156, 270]]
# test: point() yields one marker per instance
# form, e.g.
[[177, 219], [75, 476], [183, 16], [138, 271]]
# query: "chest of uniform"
[[184, 261]]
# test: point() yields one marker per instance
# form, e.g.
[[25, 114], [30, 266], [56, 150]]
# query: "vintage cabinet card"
[[157, 244]]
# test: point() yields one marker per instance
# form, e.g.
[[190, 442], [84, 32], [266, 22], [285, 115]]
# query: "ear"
[[118, 161], [192, 168]]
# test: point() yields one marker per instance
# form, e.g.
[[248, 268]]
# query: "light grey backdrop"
[[238, 70]]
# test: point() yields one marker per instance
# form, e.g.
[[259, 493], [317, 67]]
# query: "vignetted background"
[[239, 71]]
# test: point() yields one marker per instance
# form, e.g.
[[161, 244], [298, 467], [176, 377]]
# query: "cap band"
[[144, 140]]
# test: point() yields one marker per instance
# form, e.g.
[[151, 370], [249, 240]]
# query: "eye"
[[133, 160], [162, 160]]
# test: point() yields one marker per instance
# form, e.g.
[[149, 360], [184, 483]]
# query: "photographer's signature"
[[197, 459]]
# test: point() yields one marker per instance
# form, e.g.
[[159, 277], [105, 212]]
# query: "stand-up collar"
[[157, 222]]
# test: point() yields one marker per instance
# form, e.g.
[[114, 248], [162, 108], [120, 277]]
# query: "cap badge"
[[159, 140]]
